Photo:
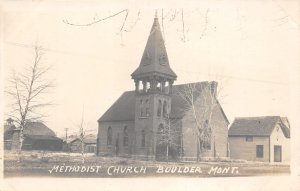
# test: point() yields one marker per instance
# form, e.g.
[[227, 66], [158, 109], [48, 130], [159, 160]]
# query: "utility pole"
[[66, 129]]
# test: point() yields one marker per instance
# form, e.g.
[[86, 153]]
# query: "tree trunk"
[[82, 152], [167, 152], [20, 145], [198, 149]]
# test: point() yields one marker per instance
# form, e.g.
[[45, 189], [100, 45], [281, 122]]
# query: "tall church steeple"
[[153, 88], [154, 67]]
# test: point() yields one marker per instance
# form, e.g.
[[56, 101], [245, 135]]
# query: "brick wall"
[[207, 109], [117, 133]]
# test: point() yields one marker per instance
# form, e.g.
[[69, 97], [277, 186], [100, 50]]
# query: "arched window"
[[147, 108], [125, 139], [159, 108], [109, 136], [165, 109], [141, 108], [143, 142]]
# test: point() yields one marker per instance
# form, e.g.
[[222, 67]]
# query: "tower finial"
[[155, 14]]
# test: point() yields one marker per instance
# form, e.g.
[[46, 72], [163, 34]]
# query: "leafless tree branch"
[[98, 20], [25, 90]]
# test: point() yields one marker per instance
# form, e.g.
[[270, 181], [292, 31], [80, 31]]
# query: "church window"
[[125, 140], [147, 108], [165, 109], [143, 143], [109, 136], [141, 108], [159, 108]]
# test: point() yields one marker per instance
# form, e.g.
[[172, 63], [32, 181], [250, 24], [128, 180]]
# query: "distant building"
[[8, 133], [37, 136], [89, 144], [134, 125], [265, 139]]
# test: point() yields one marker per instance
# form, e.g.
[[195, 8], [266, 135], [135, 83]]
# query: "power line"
[[66, 129], [236, 77], [224, 76]]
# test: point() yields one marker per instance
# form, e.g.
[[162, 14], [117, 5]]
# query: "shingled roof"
[[34, 130], [257, 126], [37, 128], [155, 59], [124, 108]]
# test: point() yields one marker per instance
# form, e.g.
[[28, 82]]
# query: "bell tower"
[[153, 88]]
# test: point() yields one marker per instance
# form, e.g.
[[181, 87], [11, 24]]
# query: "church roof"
[[124, 108], [257, 126], [155, 59]]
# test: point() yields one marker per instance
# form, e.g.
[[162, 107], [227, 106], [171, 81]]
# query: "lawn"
[[59, 164]]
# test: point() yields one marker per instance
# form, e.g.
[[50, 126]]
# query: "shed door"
[[277, 153]]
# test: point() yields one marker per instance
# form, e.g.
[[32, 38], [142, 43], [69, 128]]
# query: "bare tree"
[[169, 137], [172, 16], [27, 91], [82, 131], [202, 112]]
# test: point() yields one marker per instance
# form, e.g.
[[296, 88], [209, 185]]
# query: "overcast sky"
[[250, 47]]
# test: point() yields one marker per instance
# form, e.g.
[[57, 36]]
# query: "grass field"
[[51, 164]]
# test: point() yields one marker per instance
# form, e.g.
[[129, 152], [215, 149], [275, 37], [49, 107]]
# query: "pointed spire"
[[155, 59]]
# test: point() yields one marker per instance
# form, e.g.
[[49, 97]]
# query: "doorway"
[[277, 153]]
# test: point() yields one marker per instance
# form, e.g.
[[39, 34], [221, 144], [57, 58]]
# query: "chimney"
[[214, 88]]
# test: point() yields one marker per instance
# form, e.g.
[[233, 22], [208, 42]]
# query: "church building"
[[162, 121]]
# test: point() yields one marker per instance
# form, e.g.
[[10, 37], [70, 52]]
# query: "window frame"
[[249, 139], [159, 108], [143, 138], [259, 152]]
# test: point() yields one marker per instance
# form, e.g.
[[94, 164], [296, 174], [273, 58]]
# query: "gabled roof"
[[124, 108], [257, 126], [155, 59], [33, 128], [37, 128], [43, 137]]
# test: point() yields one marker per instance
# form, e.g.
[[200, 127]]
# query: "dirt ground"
[[51, 164]]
